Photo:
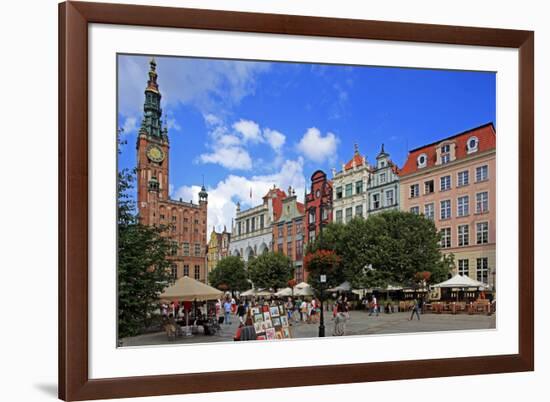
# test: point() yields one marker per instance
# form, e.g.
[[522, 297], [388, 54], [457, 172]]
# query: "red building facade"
[[185, 221]]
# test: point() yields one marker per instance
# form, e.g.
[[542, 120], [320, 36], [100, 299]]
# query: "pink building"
[[453, 182]]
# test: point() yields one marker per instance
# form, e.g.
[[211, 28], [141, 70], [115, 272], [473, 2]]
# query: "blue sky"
[[246, 125]]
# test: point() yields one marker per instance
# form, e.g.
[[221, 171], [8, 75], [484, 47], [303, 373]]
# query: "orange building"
[[288, 233], [186, 221], [453, 182]]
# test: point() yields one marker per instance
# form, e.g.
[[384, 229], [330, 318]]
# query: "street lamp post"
[[322, 280]]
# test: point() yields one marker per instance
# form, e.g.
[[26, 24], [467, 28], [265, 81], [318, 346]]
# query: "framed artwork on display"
[[268, 147]]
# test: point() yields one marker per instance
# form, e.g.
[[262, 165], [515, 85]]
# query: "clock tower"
[[152, 153]]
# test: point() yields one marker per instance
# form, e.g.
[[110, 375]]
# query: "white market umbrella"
[[284, 292], [460, 281], [257, 292], [343, 287], [303, 289]]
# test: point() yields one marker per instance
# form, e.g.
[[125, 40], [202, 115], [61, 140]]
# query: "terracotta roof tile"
[[487, 140]]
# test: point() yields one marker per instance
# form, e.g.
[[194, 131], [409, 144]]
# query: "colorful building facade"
[[218, 248], [288, 233], [383, 184], [186, 221], [453, 182], [251, 233], [318, 205], [350, 197]]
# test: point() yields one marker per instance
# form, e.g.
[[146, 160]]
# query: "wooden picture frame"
[[74, 381]]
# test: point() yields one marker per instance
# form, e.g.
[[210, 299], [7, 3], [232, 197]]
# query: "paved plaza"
[[360, 323]]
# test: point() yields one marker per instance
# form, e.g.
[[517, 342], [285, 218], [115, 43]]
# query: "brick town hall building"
[[186, 221]]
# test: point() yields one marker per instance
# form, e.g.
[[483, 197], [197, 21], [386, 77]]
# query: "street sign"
[[323, 278]]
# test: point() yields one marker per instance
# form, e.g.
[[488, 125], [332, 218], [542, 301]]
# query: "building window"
[[185, 249], [482, 173], [445, 158], [312, 215], [289, 249], [324, 212], [239, 228], [174, 218], [464, 267], [445, 182], [299, 249], [482, 202], [174, 272], [483, 269], [429, 211], [186, 270], [482, 232], [389, 198], [280, 231], [445, 209], [349, 214], [472, 144], [376, 201], [414, 191], [428, 187], [289, 229], [463, 235], [421, 160], [197, 250], [312, 235], [299, 227], [359, 187], [359, 210], [253, 224], [339, 216], [382, 178], [349, 190], [248, 226], [197, 272], [415, 210], [445, 237], [463, 206], [463, 178], [162, 217], [445, 149], [261, 221], [338, 193]]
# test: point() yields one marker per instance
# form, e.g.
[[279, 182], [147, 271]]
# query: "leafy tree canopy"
[[271, 270], [229, 271]]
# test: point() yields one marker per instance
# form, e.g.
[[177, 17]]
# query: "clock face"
[[318, 194], [155, 154]]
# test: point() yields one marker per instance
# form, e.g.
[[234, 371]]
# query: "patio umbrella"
[[284, 292], [343, 287], [461, 282], [188, 289], [257, 292], [303, 289]]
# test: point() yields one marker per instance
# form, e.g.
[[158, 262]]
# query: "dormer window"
[[445, 154], [472, 144], [445, 149], [422, 160]]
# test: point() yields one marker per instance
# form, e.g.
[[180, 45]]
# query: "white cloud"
[[318, 148], [204, 84], [228, 157], [173, 124], [249, 130], [275, 139], [129, 125], [223, 198]]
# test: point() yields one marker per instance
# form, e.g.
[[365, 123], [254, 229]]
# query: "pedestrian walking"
[[241, 311], [227, 311], [415, 308], [374, 306]]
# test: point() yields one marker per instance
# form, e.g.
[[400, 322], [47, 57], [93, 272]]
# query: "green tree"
[[143, 270], [404, 244], [229, 271], [270, 270]]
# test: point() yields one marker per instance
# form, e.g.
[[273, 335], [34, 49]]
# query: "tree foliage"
[[386, 248], [271, 270], [229, 271], [143, 270], [322, 262]]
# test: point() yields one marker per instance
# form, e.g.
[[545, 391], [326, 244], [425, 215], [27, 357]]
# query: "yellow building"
[[218, 247]]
